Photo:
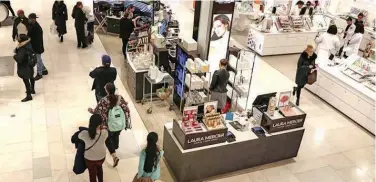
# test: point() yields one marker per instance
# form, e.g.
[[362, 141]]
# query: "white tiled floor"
[[35, 143]]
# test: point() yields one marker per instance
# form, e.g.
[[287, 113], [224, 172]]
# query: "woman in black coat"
[[60, 17], [80, 20], [305, 64], [24, 69]]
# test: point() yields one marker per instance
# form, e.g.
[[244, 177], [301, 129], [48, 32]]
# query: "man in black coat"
[[103, 75], [80, 20], [35, 33], [60, 17], [24, 70], [19, 28]]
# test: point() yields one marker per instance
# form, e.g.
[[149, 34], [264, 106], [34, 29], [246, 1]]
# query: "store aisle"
[[35, 136]]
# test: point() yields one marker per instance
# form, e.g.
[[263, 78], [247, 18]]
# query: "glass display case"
[[361, 70], [241, 63]]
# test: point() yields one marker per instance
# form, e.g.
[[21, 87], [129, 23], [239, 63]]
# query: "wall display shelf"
[[355, 97], [241, 64], [180, 85]]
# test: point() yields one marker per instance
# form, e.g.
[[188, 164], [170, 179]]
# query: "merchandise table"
[[276, 43], [247, 151], [345, 94]]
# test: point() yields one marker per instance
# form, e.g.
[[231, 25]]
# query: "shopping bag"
[[142, 179], [53, 28], [312, 77]]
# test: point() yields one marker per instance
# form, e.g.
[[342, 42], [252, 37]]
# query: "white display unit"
[[277, 43], [345, 94]]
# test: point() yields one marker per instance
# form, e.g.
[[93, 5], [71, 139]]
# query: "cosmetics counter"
[[349, 86], [277, 35], [220, 144]]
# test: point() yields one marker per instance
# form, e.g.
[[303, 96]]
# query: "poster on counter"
[[219, 39], [210, 107], [284, 99]]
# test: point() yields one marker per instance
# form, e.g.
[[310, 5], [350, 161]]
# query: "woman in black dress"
[[60, 17]]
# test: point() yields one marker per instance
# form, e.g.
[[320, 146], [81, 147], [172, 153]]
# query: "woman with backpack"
[[114, 111], [95, 151], [148, 166], [24, 66]]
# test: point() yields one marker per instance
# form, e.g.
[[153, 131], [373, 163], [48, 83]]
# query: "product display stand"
[[182, 56], [247, 151], [241, 65]]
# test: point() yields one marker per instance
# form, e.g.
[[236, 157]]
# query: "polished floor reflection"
[[35, 136]]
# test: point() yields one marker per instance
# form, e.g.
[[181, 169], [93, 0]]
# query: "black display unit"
[[182, 56]]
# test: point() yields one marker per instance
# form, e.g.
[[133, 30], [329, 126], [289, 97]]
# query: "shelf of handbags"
[[241, 63]]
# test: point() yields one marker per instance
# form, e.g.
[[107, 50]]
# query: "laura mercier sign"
[[206, 139], [281, 124]]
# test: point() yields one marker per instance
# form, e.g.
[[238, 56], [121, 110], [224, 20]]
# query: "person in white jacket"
[[352, 46], [328, 43], [349, 31]]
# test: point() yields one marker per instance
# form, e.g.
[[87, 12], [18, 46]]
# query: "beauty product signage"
[[199, 139]]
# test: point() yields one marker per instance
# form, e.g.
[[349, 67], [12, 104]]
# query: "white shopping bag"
[[53, 28]]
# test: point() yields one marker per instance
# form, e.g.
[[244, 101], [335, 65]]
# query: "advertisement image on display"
[[219, 38], [210, 107]]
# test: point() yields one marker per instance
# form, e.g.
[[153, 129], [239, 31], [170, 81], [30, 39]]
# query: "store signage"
[[281, 124], [199, 139]]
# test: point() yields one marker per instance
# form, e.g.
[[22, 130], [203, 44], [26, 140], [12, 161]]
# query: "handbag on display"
[[312, 77], [142, 179]]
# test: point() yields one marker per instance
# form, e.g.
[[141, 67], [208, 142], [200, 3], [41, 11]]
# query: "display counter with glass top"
[[349, 86], [225, 146]]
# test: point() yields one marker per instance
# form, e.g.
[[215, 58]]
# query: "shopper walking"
[[353, 45], [20, 25], [60, 17], [9, 6], [126, 28], [218, 84], [35, 32], [103, 108], [103, 75], [80, 21], [24, 69], [95, 151], [150, 157], [306, 64], [328, 43]]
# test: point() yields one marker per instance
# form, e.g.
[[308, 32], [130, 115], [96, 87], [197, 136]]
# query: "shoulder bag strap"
[[94, 142]]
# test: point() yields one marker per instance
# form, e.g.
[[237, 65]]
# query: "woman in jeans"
[[150, 157], [102, 108], [95, 150]]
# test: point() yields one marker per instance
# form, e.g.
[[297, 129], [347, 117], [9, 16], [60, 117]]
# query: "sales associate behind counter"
[[127, 26]]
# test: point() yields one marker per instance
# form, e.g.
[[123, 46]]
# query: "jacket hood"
[[23, 43]]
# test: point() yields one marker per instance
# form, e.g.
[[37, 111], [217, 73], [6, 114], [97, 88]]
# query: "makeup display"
[[141, 59], [361, 69], [214, 121], [297, 23], [283, 24], [189, 122]]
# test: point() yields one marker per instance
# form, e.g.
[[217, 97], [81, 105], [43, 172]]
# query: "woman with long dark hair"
[[103, 107], [95, 150], [60, 17], [150, 157]]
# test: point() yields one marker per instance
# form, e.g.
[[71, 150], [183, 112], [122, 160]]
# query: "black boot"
[[297, 102], [27, 98], [78, 45], [84, 46], [45, 72], [38, 77], [294, 91], [61, 38]]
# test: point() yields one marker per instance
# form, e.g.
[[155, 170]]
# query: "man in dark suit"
[[103, 75], [35, 32]]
